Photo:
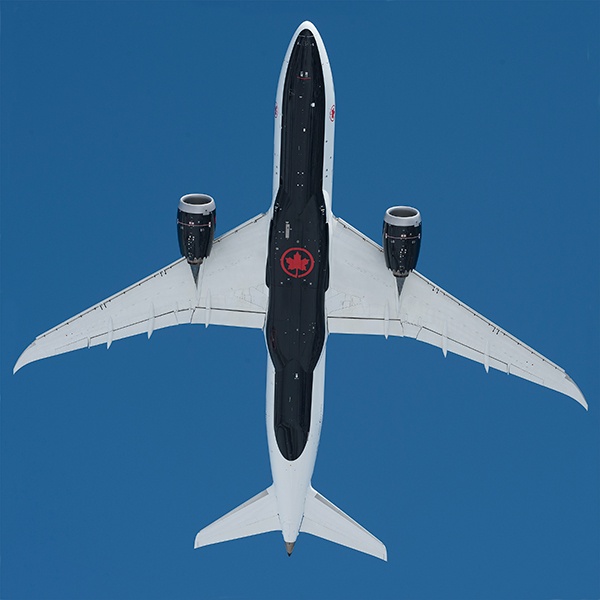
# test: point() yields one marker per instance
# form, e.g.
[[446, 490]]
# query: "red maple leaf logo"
[[296, 263]]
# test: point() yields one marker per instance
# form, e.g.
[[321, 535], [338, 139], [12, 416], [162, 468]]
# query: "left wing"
[[231, 291], [363, 298]]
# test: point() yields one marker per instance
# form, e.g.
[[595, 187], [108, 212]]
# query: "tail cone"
[[289, 547]]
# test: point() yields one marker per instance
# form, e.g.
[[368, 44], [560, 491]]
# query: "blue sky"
[[483, 115]]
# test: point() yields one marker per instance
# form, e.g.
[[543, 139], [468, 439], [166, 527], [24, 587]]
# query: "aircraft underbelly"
[[297, 265]]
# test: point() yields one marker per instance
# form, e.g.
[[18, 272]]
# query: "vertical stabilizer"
[[327, 521], [257, 515]]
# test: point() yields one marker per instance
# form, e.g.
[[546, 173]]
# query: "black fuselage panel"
[[297, 264]]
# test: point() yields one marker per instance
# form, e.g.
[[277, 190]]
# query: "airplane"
[[299, 273]]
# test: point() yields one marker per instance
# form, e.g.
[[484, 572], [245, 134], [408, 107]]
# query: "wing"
[[231, 291], [363, 298]]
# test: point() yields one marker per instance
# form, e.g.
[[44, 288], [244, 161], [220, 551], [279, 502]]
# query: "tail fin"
[[327, 521], [257, 515]]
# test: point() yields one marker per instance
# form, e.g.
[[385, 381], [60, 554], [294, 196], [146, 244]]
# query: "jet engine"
[[196, 219], [401, 239]]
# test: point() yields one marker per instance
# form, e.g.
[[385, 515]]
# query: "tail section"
[[321, 518], [327, 521], [257, 515]]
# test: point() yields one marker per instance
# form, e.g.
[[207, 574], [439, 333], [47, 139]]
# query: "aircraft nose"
[[306, 33], [306, 27], [289, 547]]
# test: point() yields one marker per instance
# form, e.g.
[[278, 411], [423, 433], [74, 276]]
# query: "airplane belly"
[[297, 271], [291, 479]]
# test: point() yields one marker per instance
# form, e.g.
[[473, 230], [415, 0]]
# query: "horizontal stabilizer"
[[327, 521], [257, 515]]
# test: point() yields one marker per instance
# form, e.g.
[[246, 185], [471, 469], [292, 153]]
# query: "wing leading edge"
[[363, 298], [231, 291]]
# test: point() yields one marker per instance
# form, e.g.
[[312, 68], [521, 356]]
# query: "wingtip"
[[32, 353], [575, 393], [22, 360]]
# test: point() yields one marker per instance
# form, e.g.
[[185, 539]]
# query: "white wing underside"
[[231, 291], [363, 299]]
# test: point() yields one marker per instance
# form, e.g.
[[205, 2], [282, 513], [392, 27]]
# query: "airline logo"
[[297, 262]]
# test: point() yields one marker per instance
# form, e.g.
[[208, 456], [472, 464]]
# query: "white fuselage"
[[292, 479]]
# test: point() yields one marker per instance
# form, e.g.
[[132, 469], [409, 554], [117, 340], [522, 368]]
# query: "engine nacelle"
[[401, 239], [196, 219]]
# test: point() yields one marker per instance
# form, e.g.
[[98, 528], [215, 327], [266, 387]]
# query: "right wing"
[[231, 291], [363, 298]]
